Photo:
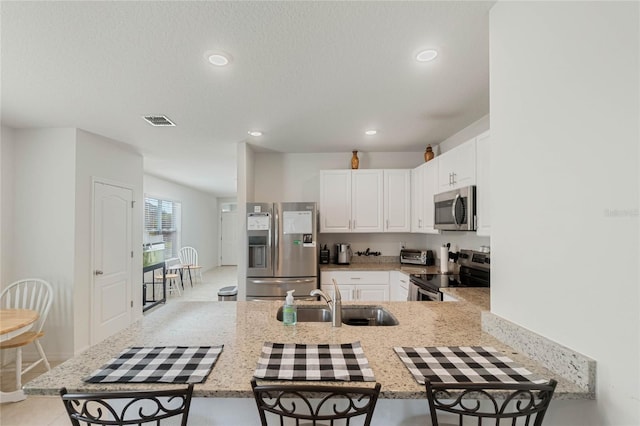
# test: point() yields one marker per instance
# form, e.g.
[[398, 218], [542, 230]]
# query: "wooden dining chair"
[[128, 408], [489, 403], [316, 404], [37, 295], [189, 257]]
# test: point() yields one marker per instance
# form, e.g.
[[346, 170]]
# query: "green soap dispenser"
[[290, 310]]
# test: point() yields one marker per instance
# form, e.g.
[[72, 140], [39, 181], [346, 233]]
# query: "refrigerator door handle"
[[276, 243]]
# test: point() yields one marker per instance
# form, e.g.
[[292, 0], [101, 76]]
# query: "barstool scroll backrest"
[[313, 404], [128, 408], [490, 404]]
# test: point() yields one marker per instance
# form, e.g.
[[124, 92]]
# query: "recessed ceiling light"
[[218, 59], [370, 132], [426, 55], [255, 133]]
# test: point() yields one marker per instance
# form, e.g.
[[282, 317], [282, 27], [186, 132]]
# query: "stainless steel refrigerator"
[[283, 250]]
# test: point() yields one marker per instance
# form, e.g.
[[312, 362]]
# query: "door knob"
[[98, 272]]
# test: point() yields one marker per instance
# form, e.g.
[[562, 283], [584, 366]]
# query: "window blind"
[[162, 217]]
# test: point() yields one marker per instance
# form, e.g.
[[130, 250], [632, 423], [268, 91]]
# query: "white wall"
[[111, 162], [43, 225], [200, 217], [46, 221], [469, 132], [565, 142], [7, 138], [296, 177]]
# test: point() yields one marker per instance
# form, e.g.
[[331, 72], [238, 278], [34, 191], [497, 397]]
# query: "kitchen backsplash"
[[389, 245]]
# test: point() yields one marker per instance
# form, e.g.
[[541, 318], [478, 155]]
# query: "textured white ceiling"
[[311, 75]]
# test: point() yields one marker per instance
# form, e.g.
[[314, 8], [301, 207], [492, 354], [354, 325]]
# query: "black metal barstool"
[[127, 408], [515, 403], [317, 404]]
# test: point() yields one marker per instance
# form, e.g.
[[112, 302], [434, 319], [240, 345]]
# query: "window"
[[162, 223]]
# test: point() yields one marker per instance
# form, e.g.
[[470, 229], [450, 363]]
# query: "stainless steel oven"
[[475, 271], [418, 293]]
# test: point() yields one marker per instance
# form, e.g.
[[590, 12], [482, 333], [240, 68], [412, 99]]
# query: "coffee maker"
[[343, 253]]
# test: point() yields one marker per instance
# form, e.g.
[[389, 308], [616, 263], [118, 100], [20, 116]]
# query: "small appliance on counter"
[[343, 253], [417, 257], [325, 255]]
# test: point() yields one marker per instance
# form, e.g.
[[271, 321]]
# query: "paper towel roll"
[[444, 259]]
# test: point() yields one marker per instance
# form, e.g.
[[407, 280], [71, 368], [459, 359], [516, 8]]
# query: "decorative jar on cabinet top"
[[355, 162], [428, 153]]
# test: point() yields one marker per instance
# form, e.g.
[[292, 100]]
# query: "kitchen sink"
[[351, 315], [367, 316], [309, 313]]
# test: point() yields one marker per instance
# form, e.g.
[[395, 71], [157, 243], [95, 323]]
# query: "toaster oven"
[[417, 257]]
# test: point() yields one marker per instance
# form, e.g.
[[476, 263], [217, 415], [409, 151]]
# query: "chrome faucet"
[[335, 304]]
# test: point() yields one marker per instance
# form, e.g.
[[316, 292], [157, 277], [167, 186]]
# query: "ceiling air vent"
[[158, 120]]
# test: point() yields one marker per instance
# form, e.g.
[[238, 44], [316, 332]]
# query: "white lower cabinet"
[[366, 286], [398, 286]]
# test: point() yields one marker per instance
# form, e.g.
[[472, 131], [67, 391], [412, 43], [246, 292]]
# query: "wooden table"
[[14, 322]]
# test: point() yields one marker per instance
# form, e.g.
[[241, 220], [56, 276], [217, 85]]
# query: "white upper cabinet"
[[417, 198], [424, 184], [457, 167], [429, 189], [335, 200], [397, 200], [483, 184], [365, 200]]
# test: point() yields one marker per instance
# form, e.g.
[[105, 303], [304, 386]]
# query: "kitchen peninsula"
[[242, 327]]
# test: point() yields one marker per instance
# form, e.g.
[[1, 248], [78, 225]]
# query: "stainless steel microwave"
[[456, 210]]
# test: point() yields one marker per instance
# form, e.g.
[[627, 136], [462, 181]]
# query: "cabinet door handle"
[[354, 224], [98, 272], [387, 223], [354, 278], [349, 223]]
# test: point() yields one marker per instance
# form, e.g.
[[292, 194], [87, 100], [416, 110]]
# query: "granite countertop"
[[477, 297], [243, 327]]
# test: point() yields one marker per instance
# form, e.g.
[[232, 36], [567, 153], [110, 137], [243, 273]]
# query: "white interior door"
[[229, 238], [111, 295]]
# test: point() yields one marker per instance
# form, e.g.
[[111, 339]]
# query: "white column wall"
[[200, 217], [246, 191], [7, 138], [43, 225], [565, 189]]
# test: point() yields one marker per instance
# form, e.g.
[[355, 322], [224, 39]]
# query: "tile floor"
[[48, 411]]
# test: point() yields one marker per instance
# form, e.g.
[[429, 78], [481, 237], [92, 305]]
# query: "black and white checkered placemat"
[[165, 364], [475, 364], [291, 361]]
